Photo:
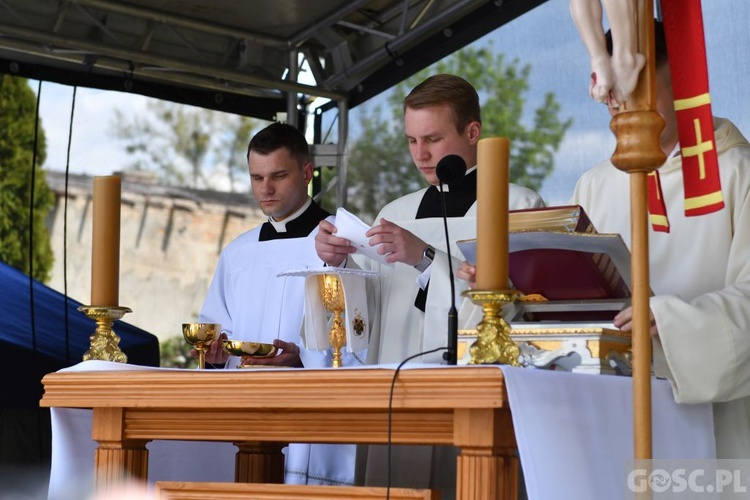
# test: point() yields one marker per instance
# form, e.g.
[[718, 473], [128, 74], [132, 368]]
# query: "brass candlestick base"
[[493, 344], [332, 293], [105, 342]]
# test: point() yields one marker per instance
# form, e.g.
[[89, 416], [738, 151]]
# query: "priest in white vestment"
[[252, 303], [441, 117], [700, 273]]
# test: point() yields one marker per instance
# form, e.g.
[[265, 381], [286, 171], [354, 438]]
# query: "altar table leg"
[[259, 463], [476, 470], [488, 465], [116, 460]]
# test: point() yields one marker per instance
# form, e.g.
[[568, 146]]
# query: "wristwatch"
[[428, 255]]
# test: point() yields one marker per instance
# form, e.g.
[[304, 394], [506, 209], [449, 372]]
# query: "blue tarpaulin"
[[26, 356]]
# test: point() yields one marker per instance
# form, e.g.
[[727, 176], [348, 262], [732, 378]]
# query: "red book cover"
[[556, 252], [568, 266]]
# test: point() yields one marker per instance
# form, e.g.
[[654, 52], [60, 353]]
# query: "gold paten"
[[332, 293], [105, 343], [200, 336], [493, 344], [250, 349]]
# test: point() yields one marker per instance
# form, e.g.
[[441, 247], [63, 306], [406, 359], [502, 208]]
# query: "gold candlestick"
[[105, 342], [493, 344], [332, 293]]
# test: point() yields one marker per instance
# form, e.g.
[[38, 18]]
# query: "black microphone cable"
[[65, 228], [30, 247], [451, 169], [39, 371], [451, 355], [390, 413]]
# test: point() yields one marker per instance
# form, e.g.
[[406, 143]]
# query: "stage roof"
[[235, 55]]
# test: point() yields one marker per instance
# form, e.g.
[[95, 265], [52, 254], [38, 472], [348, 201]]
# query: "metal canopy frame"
[[243, 57]]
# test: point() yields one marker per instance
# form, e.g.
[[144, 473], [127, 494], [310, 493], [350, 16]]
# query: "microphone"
[[450, 170]]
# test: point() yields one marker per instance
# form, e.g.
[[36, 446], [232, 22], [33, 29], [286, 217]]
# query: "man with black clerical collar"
[[253, 304], [246, 297], [441, 118]]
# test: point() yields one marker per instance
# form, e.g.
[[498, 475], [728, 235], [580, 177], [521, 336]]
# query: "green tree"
[[175, 353], [186, 146], [380, 167], [17, 118]]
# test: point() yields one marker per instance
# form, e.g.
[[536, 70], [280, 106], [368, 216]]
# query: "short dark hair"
[[277, 136], [660, 44], [450, 90]]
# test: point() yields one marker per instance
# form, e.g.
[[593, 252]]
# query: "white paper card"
[[351, 227]]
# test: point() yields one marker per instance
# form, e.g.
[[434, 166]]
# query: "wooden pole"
[[638, 152]]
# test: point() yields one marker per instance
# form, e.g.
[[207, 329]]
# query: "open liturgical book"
[[565, 269]]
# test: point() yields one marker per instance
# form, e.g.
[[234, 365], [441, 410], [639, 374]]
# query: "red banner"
[[683, 27], [657, 210]]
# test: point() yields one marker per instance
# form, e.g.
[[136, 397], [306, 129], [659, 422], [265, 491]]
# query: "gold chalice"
[[332, 293], [200, 336]]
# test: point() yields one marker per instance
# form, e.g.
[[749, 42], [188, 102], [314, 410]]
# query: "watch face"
[[428, 255]]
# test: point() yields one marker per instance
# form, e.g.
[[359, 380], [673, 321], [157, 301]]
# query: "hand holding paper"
[[330, 248], [396, 244], [351, 227]]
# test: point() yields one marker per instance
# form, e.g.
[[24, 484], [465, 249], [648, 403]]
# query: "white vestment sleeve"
[[706, 340], [700, 274], [214, 308]]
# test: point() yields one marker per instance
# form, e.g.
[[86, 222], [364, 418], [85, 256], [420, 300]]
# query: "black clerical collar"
[[447, 188], [280, 226], [458, 200], [295, 227]]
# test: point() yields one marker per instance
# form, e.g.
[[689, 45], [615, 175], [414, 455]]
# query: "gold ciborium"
[[200, 336], [493, 344], [332, 293]]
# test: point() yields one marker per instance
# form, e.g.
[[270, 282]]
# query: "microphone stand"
[[451, 355]]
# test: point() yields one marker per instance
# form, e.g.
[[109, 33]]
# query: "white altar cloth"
[[575, 431], [574, 434], [72, 465]]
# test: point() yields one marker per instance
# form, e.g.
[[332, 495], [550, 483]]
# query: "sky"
[[545, 38]]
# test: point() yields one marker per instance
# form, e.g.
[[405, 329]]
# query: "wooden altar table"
[[261, 411]]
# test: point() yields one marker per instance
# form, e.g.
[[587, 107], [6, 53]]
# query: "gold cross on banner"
[[700, 148]]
